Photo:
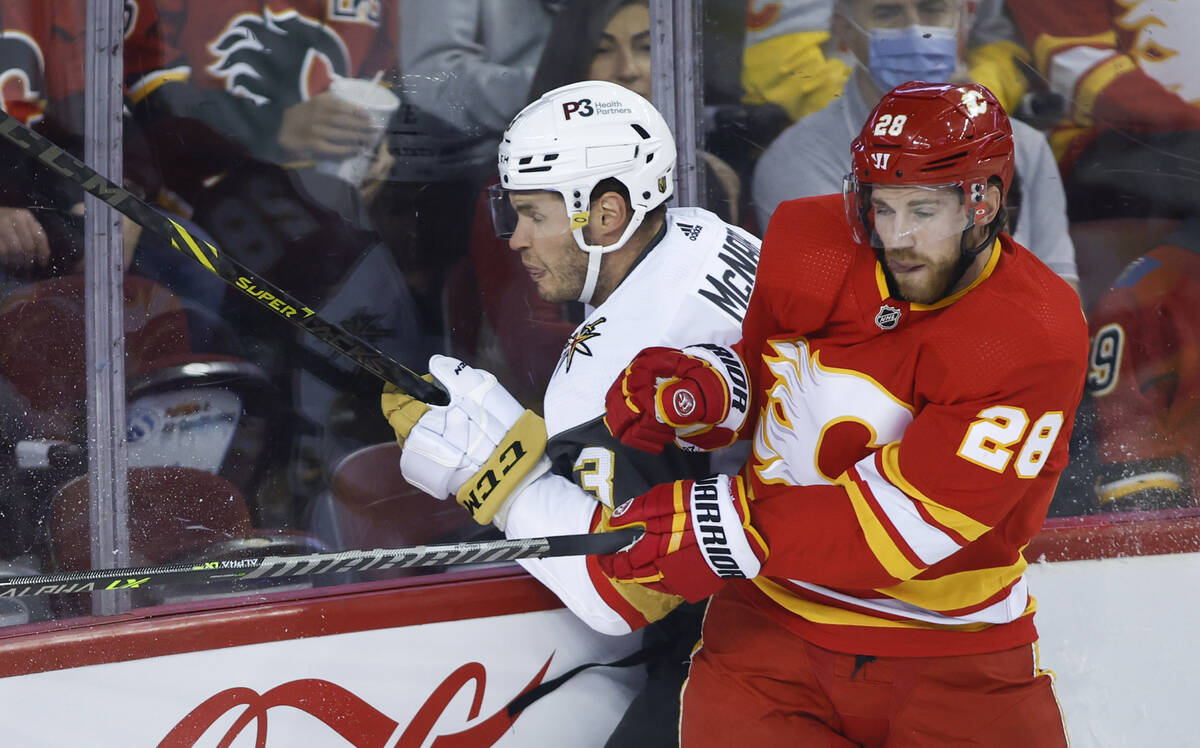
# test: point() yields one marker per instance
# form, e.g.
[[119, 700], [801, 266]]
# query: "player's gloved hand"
[[696, 397], [698, 535], [482, 447], [401, 409]]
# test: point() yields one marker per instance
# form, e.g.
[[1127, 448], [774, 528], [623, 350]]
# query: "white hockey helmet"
[[570, 140]]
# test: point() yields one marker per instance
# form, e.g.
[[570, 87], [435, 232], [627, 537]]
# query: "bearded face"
[[921, 231]]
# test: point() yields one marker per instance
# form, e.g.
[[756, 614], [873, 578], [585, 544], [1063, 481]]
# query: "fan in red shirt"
[[1125, 70], [915, 374], [239, 78], [42, 83]]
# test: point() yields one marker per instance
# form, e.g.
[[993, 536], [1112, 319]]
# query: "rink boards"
[[425, 661]]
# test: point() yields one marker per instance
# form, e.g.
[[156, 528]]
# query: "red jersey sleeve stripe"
[[879, 533], [899, 536], [948, 519], [928, 540]]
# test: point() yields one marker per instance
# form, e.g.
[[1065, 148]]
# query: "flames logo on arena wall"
[[278, 58], [1165, 41], [22, 76]]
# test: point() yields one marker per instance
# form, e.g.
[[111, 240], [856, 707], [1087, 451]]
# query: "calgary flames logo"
[[1164, 47], [22, 76], [279, 58], [793, 444]]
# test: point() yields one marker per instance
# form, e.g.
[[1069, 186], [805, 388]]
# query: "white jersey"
[[692, 285]]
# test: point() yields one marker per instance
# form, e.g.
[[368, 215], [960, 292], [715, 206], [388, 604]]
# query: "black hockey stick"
[[266, 294], [315, 564]]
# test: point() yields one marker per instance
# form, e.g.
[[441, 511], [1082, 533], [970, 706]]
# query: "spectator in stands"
[[466, 69], [1144, 379], [1126, 72], [921, 41], [788, 58], [244, 109], [250, 80], [43, 76]]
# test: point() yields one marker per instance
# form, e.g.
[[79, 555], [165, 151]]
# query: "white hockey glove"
[[482, 447]]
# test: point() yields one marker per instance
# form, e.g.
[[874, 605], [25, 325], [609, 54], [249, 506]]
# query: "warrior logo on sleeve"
[[278, 58]]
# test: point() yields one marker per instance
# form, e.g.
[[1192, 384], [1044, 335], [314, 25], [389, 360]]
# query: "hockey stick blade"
[[229, 270], [316, 564]]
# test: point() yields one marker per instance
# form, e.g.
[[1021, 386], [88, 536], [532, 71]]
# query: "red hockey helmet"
[[930, 135]]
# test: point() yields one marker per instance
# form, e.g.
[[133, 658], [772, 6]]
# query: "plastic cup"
[[379, 103]]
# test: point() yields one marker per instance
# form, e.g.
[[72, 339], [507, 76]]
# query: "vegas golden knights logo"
[[578, 343]]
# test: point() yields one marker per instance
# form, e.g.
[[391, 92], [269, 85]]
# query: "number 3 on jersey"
[[594, 473], [996, 429]]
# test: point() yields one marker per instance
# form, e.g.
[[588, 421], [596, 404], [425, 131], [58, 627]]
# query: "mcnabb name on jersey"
[[730, 289]]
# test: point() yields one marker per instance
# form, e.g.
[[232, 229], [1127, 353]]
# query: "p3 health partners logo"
[[587, 108]]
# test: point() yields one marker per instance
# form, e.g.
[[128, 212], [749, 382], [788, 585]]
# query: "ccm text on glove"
[[481, 447]]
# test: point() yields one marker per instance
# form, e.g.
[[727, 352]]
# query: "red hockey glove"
[[698, 535], [696, 397]]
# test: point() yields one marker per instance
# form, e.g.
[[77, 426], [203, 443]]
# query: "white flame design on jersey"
[[1166, 46], [806, 400]]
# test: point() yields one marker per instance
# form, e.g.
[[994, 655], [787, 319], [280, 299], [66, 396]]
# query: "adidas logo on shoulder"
[[690, 230]]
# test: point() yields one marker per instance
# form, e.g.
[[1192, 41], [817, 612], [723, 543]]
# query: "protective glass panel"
[[340, 152]]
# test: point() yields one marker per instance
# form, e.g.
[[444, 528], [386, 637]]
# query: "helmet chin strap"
[[593, 273], [967, 254], [596, 253]]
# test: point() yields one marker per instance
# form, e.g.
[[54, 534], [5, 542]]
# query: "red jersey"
[[1123, 64], [43, 53], [271, 51], [1145, 379], [904, 454]]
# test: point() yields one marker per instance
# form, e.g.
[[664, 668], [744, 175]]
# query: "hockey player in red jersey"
[[914, 376]]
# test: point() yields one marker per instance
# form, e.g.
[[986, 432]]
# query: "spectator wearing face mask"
[[790, 58], [894, 41]]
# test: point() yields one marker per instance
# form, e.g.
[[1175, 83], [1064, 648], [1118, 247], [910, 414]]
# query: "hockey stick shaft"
[[315, 564], [229, 270]]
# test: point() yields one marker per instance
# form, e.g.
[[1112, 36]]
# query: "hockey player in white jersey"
[[585, 174]]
